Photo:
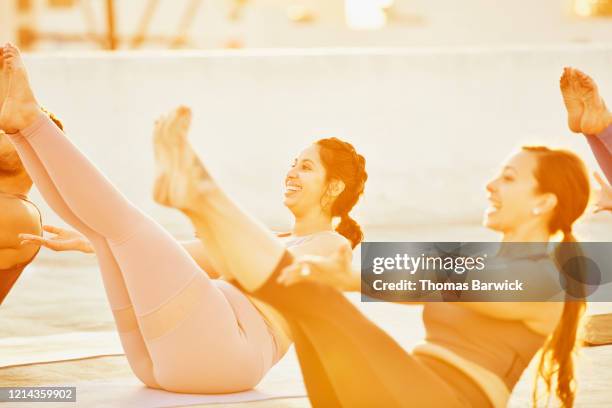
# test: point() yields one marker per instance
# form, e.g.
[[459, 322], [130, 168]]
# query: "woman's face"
[[305, 183], [513, 195]]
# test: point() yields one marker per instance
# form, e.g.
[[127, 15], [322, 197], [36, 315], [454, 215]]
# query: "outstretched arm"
[[334, 270], [69, 240], [61, 240]]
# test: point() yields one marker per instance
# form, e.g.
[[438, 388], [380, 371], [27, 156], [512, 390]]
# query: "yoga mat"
[[133, 393], [598, 330], [22, 350], [283, 381], [58, 347]]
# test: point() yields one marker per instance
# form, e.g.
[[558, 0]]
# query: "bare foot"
[[19, 108], [181, 177], [572, 100], [596, 116]]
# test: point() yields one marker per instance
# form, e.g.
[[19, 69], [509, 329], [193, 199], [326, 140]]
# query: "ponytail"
[[556, 364], [349, 229], [342, 162], [563, 174]]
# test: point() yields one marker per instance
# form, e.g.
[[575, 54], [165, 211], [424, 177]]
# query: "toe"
[[567, 72], [183, 110], [583, 78], [564, 81], [185, 117]]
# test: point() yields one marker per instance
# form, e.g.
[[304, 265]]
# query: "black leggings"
[[347, 360]]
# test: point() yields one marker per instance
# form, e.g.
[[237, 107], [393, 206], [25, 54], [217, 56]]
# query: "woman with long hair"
[[181, 330], [474, 352], [346, 359]]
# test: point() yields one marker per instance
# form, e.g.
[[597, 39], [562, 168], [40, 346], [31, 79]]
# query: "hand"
[[335, 270], [64, 240], [604, 200]]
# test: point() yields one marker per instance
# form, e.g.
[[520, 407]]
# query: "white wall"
[[8, 20], [433, 125], [265, 24], [422, 23]]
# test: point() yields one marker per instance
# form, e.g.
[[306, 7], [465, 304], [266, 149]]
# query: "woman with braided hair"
[[181, 329], [474, 353], [342, 162]]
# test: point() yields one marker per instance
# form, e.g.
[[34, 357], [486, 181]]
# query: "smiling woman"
[[325, 182], [160, 298]]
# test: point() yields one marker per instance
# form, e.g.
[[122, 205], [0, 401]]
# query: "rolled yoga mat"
[[598, 330]]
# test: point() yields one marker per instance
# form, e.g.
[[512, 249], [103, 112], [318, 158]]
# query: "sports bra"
[[493, 352], [9, 276]]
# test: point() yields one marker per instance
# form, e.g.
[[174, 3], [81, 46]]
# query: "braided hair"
[[342, 162]]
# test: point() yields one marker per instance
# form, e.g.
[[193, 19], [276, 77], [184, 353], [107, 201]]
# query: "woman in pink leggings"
[[181, 330]]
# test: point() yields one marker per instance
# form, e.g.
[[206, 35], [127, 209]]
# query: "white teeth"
[[293, 188], [495, 204]]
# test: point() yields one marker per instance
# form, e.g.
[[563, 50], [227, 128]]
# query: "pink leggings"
[[181, 331]]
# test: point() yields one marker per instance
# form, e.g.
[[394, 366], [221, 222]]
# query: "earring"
[[536, 211]]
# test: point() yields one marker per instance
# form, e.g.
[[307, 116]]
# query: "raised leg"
[[203, 336], [363, 364], [116, 292], [227, 232], [93, 199]]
